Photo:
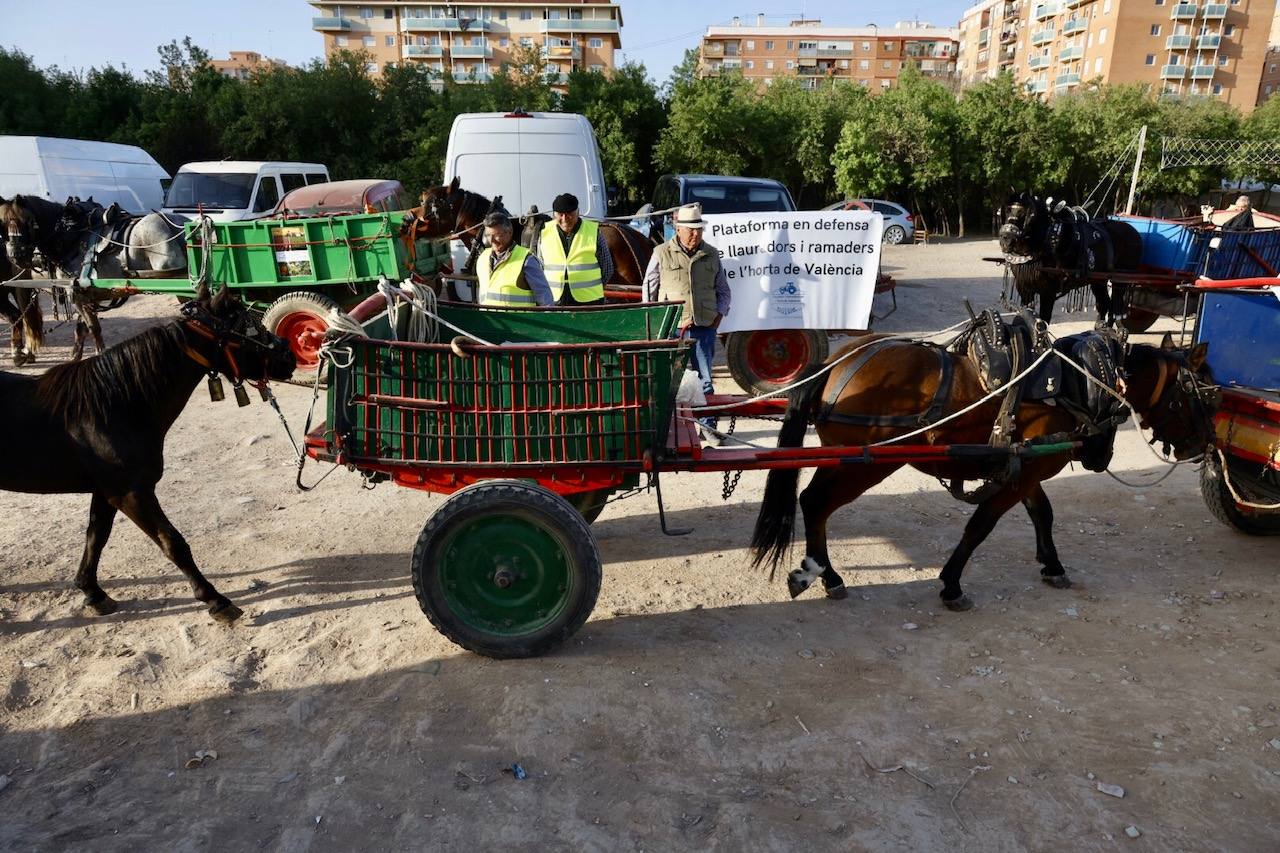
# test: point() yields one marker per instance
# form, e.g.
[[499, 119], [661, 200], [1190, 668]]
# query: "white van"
[[528, 159], [54, 169], [231, 190]]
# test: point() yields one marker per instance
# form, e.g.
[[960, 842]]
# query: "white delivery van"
[[528, 159], [231, 190], [54, 169]]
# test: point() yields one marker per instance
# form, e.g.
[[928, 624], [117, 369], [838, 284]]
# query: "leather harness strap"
[[933, 413]]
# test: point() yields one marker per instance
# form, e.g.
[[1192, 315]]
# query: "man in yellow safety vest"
[[574, 255], [509, 275]]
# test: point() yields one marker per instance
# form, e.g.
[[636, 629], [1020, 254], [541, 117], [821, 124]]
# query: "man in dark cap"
[[574, 255]]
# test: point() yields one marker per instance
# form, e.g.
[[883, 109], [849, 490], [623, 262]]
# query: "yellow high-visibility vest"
[[580, 271], [501, 285]]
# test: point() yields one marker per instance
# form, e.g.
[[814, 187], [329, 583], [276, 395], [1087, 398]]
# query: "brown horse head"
[[18, 226], [1172, 392]]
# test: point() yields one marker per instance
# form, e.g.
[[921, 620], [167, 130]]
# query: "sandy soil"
[[698, 708]]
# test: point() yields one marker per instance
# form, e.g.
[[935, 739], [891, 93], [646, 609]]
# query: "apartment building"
[[470, 41], [1270, 83], [1179, 48], [871, 56], [241, 64]]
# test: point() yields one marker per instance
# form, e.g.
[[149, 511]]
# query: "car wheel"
[[895, 234]]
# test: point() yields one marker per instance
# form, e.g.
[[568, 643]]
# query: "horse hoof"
[[1057, 581], [959, 605], [104, 606], [839, 592], [226, 613], [796, 586]]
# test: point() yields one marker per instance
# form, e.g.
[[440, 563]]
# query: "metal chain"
[[731, 478]]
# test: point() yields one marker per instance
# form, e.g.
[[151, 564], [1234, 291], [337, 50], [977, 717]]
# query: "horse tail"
[[775, 525], [33, 322]]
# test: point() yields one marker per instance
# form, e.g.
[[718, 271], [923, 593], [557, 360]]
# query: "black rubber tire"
[[590, 504], [299, 302], [1139, 320], [1222, 506], [498, 497], [740, 366], [894, 235]]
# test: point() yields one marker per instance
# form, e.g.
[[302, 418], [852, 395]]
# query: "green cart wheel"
[[590, 504], [506, 569]]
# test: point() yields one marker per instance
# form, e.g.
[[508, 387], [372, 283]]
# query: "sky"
[[80, 34]]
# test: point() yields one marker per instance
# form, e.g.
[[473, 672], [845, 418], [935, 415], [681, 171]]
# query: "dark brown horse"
[[98, 426], [448, 210], [19, 305], [1052, 248], [897, 383]]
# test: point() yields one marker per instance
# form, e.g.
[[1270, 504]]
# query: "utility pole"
[[1137, 165]]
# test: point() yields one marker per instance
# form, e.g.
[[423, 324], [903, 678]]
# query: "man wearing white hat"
[[686, 269]]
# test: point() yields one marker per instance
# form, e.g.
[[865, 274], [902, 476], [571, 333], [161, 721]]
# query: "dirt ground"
[[699, 708]]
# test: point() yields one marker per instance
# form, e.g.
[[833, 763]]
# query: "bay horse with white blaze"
[[885, 396], [98, 426]]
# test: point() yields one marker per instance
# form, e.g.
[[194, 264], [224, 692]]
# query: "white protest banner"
[[810, 270]]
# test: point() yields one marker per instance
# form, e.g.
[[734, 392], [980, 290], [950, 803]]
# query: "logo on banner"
[[787, 300]]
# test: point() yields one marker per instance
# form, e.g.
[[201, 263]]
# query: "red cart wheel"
[[765, 361], [301, 319]]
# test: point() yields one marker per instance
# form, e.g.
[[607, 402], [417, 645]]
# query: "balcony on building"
[[1069, 53], [732, 65], [1182, 11], [984, 36], [469, 51], [1075, 25], [417, 25], [330, 24], [1202, 72], [1208, 42], [557, 78], [481, 76], [1042, 37], [559, 51], [1007, 54], [1177, 42], [807, 53], [1173, 72], [1072, 4], [1008, 35], [1039, 61], [423, 51], [1062, 81], [1215, 11], [713, 48], [711, 69], [583, 25], [1045, 10], [835, 52], [1038, 86]]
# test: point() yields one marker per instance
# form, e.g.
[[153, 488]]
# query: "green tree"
[[624, 110], [711, 127]]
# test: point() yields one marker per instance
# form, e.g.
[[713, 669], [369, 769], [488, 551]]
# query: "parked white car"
[[54, 169], [899, 226], [231, 190]]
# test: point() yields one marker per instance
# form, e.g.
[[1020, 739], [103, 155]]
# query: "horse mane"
[[127, 375]]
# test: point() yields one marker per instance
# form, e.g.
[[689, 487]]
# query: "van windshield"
[[221, 190], [738, 198]]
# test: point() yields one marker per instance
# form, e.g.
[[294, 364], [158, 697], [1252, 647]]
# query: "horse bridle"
[[227, 338], [1198, 393]]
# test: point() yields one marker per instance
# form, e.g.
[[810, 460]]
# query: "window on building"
[[889, 46], [1222, 60], [526, 41], [553, 14], [864, 64], [340, 41], [1151, 59], [575, 14], [1097, 65], [372, 68], [790, 45], [1228, 29], [597, 68], [1106, 7], [768, 64], [388, 14], [790, 64], [1088, 40], [1155, 29], [866, 45], [366, 12], [367, 41], [595, 43], [751, 44], [750, 64], [477, 41], [768, 45], [502, 14], [1102, 36], [844, 63], [1217, 88], [1268, 91], [526, 14], [1159, 2], [885, 84], [504, 42]]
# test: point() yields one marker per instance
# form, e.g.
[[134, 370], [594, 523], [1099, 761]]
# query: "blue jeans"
[[704, 353]]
